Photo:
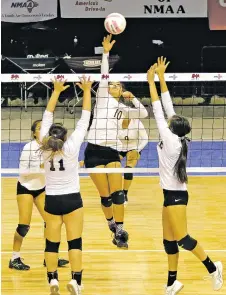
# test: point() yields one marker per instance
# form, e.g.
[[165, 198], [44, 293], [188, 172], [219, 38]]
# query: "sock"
[[209, 265], [15, 255], [119, 227], [77, 276], [52, 275], [126, 192], [111, 221], [172, 276]]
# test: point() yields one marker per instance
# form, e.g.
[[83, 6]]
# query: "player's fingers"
[[113, 42], [164, 61], [79, 85], [159, 60], [66, 87], [110, 36], [167, 64]]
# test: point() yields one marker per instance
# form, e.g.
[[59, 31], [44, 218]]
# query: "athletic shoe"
[[217, 277], [74, 288], [113, 227], [18, 264], [174, 289], [54, 287], [61, 262], [121, 239]]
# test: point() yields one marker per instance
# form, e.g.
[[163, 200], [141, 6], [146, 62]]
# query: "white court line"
[[109, 251]]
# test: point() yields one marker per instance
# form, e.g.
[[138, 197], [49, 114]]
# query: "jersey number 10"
[[118, 114], [52, 168]]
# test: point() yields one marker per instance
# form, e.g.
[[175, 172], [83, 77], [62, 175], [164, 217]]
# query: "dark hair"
[[55, 141], [33, 127], [181, 126], [91, 116]]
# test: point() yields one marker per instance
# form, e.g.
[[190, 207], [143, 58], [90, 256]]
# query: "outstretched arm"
[[166, 99], [47, 119]]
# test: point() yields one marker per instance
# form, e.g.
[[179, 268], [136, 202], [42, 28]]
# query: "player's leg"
[[101, 182], [132, 157], [40, 204], [53, 236], [25, 206], [74, 227], [178, 219], [118, 199], [172, 251]]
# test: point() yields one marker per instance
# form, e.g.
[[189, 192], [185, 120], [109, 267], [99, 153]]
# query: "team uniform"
[[30, 181], [175, 192], [61, 172], [134, 137], [103, 142]]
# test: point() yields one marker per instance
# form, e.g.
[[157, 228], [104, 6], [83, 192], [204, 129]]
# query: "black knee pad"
[[118, 197], [106, 202], [171, 247], [128, 176], [52, 246], [22, 229], [75, 244], [187, 243]]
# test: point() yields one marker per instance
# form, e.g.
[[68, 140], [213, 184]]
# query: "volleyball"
[[115, 23]]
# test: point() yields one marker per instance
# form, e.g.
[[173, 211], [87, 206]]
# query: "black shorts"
[[123, 154], [96, 155], [22, 190], [172, 198], [63, 204]]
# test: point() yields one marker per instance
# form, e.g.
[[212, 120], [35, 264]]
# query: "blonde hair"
[[52, 144]]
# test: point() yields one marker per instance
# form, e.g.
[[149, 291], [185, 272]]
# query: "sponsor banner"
[[217, 14], [170, 77], [35, 63], [26, 11], [133, 8]]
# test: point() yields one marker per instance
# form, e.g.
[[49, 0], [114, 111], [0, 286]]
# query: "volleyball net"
[[201, 97]]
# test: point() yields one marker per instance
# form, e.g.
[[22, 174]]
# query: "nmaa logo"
[[29, 4], [92, 63]]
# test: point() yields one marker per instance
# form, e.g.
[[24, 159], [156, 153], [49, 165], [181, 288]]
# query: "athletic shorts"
[[123, 154], [22, 190], [173, 198], [96, 155], [63, 204]]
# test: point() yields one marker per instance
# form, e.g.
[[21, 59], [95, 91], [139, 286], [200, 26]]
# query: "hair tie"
[[54, 135], [185, 138]]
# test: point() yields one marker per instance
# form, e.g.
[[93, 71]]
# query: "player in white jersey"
[[134, 138], [172, 153], [63, 202], [30, 190], [103, 145]]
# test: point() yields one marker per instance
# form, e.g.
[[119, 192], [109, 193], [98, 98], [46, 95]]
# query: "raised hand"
[[162, 66], [128, 95], [151, 73], [107, 43], [85, 83], [59, 85]]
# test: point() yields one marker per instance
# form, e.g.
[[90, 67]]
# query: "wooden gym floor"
[[142, 270]]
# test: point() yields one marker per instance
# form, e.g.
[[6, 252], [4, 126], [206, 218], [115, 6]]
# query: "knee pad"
[[52, 246], [187, 243], [128, 176], [22, 229], [118, 198], [75, 244], [171, 247], [106, 202]]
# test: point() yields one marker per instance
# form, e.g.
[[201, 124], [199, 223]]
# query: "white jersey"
[[30, 175], [170, 147], [108, 113], [134, 137], [61, 172]]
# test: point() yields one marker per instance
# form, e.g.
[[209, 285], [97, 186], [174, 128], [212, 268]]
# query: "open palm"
[[107, 43], [162, 66]]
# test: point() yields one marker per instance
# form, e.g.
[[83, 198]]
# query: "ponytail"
[[53, 145], [91, 116], [180, 166]]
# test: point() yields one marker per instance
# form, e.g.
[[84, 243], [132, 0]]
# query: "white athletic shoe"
[[74, 288], [217, 277], [54, 287], [174, 289]]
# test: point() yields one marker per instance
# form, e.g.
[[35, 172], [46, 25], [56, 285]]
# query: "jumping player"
[[134, 138], [103, 145], [63, 202], [30, 190], [172, 152]]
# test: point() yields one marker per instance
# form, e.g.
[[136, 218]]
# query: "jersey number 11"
[[52, 168]]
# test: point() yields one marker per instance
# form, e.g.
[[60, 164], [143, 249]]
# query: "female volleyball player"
[[63, 202], [172, 152], [30, 189], [134, 138], [103, 144]]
